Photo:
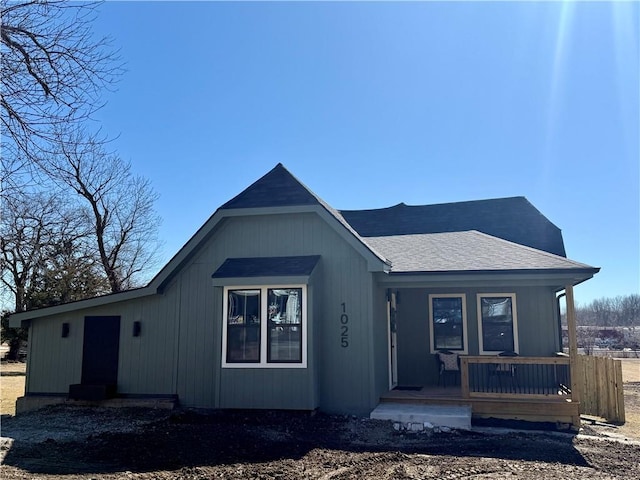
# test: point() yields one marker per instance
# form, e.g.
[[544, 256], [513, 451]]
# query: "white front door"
[[393, 351]]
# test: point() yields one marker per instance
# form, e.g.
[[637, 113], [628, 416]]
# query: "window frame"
[[465, 334], [514, 318], [264, 327], [245, 325]]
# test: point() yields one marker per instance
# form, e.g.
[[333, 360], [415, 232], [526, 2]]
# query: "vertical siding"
[[146, 364], [343, 383], [179, 349], [314, 293], [380, 344], [196, 365], [55, 362], [345, 372], [537, 322], [537, 327]]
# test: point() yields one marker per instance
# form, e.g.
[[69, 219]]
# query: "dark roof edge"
[[84, 303], [402, 204], [306, 269]]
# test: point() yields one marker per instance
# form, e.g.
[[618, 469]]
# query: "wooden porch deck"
[[550, 408]]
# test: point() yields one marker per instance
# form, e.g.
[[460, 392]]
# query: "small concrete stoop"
[[411, 415]]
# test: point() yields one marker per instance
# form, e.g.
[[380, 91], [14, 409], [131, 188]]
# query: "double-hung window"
[[497, 322], [264, 327], [448, 322]]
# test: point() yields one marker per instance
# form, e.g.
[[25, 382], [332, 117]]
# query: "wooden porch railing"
[[515, 377], [599, 381]]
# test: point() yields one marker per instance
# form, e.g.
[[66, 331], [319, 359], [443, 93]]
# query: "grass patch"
[[630, 369], [11, 387]]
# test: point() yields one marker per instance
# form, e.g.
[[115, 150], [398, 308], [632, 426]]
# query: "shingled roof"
[[267, 266], [467, 252], [277, 188], [513, 219]]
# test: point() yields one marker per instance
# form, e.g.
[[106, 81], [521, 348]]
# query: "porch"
[[534, 389]]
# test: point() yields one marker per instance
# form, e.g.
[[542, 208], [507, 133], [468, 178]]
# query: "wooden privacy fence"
[[601, 391]]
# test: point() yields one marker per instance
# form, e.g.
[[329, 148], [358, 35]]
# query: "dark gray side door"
[[100, 350]]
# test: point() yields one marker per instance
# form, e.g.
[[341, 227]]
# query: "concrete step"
[[438, 415]]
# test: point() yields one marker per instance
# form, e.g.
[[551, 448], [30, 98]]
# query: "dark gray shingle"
[[513, 219], [277, 188], [266, 267]]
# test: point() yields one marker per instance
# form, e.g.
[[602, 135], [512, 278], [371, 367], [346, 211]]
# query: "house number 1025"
[[344, 327]]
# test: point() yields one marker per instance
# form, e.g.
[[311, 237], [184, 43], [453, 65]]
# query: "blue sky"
[[372, 104]]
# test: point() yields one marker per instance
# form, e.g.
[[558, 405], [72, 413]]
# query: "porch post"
[[573, 349]]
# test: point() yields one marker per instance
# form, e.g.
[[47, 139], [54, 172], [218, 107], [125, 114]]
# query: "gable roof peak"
[[277, 188]]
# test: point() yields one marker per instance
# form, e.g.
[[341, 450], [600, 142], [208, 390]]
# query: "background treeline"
[[620, 311]]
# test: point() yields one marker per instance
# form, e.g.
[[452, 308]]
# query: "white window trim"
[[514, 313], [465, 336], [264, 327]]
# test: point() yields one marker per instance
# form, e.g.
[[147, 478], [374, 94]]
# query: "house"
[[279, 301]]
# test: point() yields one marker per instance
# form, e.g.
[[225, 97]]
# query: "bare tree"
[[34, 226], [26, 227], [119, 204], [43, 260], [587, 337], [53, 71], [70, 273]]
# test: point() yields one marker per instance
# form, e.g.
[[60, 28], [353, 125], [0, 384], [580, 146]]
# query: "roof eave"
[[17, 319], [533, 271], [552, 277]]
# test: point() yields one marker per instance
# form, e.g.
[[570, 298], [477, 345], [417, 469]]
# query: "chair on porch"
[[448, 363], [505, 371]]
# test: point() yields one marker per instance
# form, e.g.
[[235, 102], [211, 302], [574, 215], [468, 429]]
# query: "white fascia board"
[[160, 280], [481, 279], [185, 252], [374, 262]]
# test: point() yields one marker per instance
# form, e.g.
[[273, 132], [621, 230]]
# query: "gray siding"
[[277, 388], [197, 375], [537, 327], [345, 372], [146, 364], [380, 334], [179, 350], [343, 382], [54, 362]]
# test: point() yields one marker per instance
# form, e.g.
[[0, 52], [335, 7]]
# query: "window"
[[264, 327], [497, 322], [448, 322], [243, 326], [285, 325]]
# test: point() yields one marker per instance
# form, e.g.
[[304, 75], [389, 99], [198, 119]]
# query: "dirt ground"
[[87, 443]]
